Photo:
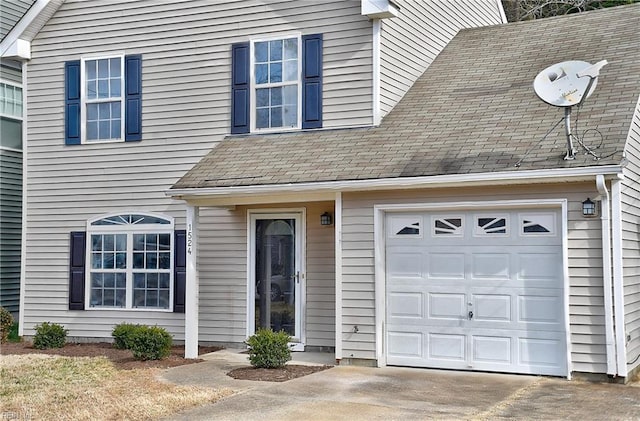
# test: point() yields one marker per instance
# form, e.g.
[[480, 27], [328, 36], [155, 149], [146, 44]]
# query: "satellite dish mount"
[[565, 85]]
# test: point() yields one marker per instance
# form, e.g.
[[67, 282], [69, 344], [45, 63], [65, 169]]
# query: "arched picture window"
[[130, 261]]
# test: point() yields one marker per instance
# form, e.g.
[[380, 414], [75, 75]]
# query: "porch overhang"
[[326, 190]]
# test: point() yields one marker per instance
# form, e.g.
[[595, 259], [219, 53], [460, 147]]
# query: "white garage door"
[[476, 290]]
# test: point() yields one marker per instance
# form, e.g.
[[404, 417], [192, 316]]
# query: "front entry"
[[276, 276]]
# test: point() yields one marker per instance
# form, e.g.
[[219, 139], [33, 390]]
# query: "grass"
[[51, 387]]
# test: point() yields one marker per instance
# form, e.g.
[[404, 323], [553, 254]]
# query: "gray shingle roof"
[[473, 111]]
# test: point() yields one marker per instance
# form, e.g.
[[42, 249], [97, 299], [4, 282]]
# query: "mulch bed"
[[121, 358], [288, 372]]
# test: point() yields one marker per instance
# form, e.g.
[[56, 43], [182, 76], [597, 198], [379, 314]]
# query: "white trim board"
[[226, 195]]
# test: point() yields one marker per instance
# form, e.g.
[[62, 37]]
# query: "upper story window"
[[103, 95], [10, 116], [103, 99], [276, 84]]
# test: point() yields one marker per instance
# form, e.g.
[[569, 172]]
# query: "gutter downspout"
[[618, 277], [606, 275]]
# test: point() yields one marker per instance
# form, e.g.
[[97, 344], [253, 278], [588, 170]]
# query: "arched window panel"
[[131, 219]]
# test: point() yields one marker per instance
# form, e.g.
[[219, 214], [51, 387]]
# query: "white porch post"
[[191, 288]]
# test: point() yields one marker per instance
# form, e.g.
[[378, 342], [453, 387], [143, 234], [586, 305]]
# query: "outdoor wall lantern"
[[325, 219], [588, 208]]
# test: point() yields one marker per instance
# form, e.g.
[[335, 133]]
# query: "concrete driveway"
[[359, 393]]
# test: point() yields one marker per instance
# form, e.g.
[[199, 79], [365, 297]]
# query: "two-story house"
[[291, 165]]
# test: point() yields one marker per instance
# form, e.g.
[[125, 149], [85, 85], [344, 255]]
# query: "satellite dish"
[[560, 85], [567, 84]]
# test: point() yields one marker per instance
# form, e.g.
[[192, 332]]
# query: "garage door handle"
[[470, 315]]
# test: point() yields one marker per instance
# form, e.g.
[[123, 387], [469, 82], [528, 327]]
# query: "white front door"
[[479, 290], [276, 278]]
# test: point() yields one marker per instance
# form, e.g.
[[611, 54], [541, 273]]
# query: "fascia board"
[[40, 9], [493, 178]]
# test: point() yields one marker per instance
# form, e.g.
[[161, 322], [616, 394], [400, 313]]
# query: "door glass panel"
[[275, 297]]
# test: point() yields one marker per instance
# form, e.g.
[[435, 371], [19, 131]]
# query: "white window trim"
[[83, 99], [19, 86], [129, 230], [253, 87], [13, 117]]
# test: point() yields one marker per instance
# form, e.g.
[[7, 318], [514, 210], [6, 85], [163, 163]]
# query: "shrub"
[[150, 343], [50, 335], [13, 333], [269, 349], [123, 335], [6, 321]]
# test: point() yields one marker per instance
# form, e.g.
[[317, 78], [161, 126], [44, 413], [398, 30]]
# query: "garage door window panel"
[[537, 224], [406, 226], [451, 226], [491, 225]]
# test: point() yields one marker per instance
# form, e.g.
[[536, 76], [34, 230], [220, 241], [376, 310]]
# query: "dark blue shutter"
[[240, 88], [72, 102], [179, 270], [77, 253], [312, 81], [133, 98]]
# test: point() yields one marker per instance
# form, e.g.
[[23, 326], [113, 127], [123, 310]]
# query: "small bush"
[[269, 349], [6, 321], [13, 333], [123, 335], [150, 343], [50, 335]]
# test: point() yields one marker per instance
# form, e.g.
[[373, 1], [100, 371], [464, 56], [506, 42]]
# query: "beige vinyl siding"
[[586, 312], [186, 53], [321, 278], [411, 41], [10, 227], [631, 242], [222, 268], [10, 13], [223, 275], [10, 72]]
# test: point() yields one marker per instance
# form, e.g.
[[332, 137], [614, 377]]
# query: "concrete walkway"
[[359, 393]]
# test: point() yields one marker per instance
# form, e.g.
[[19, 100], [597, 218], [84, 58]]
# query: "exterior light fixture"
[[588, 208], [325, 219]]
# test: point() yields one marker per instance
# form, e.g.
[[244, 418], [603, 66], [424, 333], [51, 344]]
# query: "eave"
[[325, 190], [17, 44]]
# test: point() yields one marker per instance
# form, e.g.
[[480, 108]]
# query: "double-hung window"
[[10, 116], [103, 99], [276, 85], [130, 262], [103, 94]]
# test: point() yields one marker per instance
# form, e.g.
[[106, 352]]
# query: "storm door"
[[276, 274]]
